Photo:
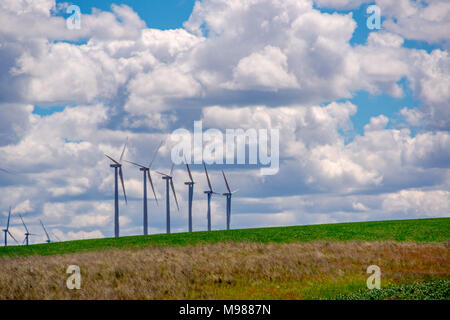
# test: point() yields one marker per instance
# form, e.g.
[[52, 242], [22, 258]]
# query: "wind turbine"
[[146, 173], [48, 237], [228, 195], [4, 170], [209, 193], [27, 233], [55, 236], [117, 165], [190, 185], [6, 231], [168, 178]]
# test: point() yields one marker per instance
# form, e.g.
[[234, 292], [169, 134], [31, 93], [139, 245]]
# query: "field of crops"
[[418, 230], [305, 262]]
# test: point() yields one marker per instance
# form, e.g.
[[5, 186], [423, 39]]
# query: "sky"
[[363, 114]]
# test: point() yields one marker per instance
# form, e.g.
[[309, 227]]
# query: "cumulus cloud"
[[340, 4], [425, 20], [14, 122], [418, 202], [266, 70]]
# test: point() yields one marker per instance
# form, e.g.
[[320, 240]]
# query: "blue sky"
[[363, 115], [164, 15]]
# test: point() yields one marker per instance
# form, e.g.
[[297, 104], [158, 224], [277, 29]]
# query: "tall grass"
[[312, 270]]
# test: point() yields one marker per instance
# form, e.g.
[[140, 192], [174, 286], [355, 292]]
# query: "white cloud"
[[14, 122], [376, 123], [340, 4], [426, 20], [71, 235], [419, 203], [266, 70], [23, 207]]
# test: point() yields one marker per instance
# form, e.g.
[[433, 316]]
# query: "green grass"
[[432, 290], [419, 230]]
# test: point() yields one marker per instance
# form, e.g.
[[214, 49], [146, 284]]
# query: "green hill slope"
[[420, 230]]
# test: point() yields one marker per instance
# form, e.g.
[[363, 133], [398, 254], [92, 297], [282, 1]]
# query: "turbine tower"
[[6, 231], [168, 178], [190, 185], [209, 193], [228, 195], [146, 173], [117, 165], [27, 233], [46, 233]]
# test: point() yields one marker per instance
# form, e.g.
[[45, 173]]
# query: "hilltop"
[[417, 230]]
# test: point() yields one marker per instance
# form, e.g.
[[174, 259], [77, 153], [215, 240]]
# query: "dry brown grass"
[[221, 271]]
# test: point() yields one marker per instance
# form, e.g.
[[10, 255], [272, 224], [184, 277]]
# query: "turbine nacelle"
[[6, 231], [46, 233], [117, 165], [146, 170], [191, 182], [210, 191], [169, 178]]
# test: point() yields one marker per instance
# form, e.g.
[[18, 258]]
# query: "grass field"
[[306, 262], [418, 230]]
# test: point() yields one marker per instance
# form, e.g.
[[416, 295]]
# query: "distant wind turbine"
[[228, 195], [4, 170], [209, 193], [146, 173], [190, 185], [6, 231], [55, 236], [46, 233], [27, 233], [117, 165], [168, 178]]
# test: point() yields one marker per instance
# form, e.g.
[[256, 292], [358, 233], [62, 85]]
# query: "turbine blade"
[[23, 223], [151, 184], [155, 153], [48, 238], [163, 174], [56, 236], [24, 240], [123, 185], [174, 194], [123, 151], [207, 177], [189, 170], [136, 164], [10, 234], [9, 216], [6, 171], [171, 169], [234, 191], [116, 162], [226, 182]]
